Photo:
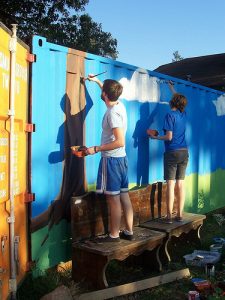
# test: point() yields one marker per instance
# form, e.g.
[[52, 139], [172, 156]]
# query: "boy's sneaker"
[[166, 220], [128, 237], [107, 239], [179, 219]]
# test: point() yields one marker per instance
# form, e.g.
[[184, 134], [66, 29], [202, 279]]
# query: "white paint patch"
[[220, 105], [141, 87]]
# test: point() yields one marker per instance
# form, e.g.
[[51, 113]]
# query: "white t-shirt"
[[115, 117]]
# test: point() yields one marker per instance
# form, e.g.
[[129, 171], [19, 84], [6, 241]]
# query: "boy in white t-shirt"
[[112, 177]]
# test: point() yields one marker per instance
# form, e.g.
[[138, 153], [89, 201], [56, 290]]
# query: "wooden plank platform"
[[191, 224], [135, 286], [90, 258]]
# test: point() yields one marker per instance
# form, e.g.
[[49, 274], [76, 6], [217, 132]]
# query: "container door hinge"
[[29, 197], [29, 127], [31, 57], [2, 271], [3, 242]]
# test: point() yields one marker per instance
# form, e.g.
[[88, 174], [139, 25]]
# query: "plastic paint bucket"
[[216, 248], [219, 240]]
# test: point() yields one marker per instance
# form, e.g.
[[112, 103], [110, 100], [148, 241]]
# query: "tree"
[[61, 22], [176, 56]]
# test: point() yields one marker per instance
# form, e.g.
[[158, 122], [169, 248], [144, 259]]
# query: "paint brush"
[[82, 79], [97, 74]]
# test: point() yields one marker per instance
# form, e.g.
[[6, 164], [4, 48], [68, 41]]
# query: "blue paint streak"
[[48, 97]]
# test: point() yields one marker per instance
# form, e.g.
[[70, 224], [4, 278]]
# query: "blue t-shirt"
[[175, 121]]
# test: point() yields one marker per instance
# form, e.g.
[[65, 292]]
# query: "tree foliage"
[[61, 22], [176, 56]]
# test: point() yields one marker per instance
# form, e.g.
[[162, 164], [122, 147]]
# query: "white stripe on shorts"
[[112, 193], [104, 175]]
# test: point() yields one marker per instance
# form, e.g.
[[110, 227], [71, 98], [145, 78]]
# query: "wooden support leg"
[[163, 252], [152, 259], [194, 236], [90, 267]]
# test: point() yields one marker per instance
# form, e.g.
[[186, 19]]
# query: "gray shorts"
[[175, 164]]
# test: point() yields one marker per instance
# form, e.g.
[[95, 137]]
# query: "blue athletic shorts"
[[112, 175]]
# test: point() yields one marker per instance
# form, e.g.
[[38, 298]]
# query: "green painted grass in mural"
[[50, 247], [205, 193]]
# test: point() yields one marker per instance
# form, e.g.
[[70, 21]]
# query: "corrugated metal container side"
[[20, 160], [68, 112], [50, 232]]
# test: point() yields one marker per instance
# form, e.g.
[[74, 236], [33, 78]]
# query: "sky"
[[148, 32]]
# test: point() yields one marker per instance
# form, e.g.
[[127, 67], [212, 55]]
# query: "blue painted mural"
[[68, 112]]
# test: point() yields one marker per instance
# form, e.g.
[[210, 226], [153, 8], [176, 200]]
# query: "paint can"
[[210, 270], [193, 295]]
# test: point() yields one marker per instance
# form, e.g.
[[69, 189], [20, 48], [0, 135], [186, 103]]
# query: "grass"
[[36, 287], [119, 273], [178, 290]]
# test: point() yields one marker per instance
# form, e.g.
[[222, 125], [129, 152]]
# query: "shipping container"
[[13, 161], [68, 111]]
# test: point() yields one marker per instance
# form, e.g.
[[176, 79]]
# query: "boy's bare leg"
[[170, 197], [115, 214], [181, 197], [127, 210]]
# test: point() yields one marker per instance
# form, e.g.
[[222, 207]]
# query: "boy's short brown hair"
[[178, 101], [112, 88]]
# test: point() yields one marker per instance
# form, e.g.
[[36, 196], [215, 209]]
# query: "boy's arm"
[[95, 79], [117, 143], [171, 86], [167, 137]]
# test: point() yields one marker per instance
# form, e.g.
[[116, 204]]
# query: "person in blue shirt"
[[176, 154]]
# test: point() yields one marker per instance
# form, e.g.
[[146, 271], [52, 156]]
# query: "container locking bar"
[[16, 253]]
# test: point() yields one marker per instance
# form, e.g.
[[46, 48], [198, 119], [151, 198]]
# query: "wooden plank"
[[188, 220], [135, 286], [142, 237]]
